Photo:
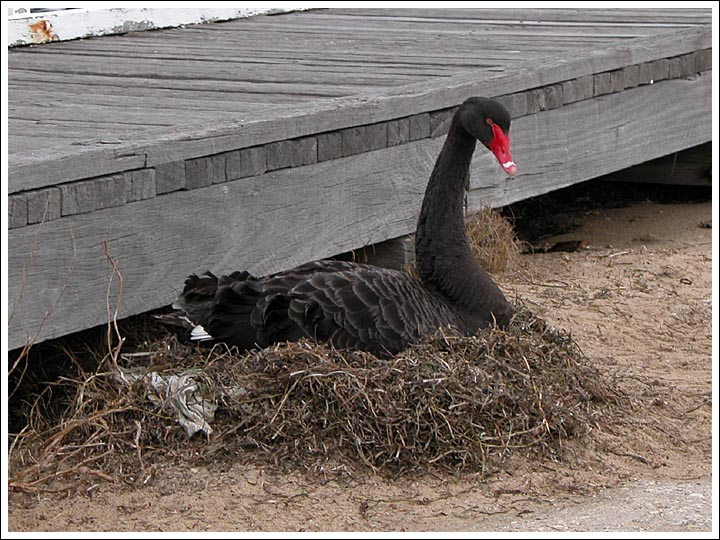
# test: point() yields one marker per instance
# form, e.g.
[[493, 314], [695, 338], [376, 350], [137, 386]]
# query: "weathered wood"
[[590, 138], [78, 197], [141, 184], [63, 164], [703, 60], [439, 122], [78, 23], [115, 190], [364, 139], [246, 162], [169, 177], [660, 69], [17, 211], [419, 125], [645, 73], [516, 104], [553, 96], [300, 120], [689, 167], [396, 253], [380, 199], [601, 83], [43, 205], [398, 131], [617, 82], [532, 15], [631, 76], [578, 89], [202, 172], [415, 98], [292, 153], [681, 66], [330, 146], [536, 100]]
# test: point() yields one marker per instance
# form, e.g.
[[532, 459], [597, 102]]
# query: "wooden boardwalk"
[[266, 142]]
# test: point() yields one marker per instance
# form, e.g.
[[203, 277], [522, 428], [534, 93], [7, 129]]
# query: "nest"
[[493, 240], [450, 402]]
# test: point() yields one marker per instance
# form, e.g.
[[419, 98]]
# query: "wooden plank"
[[78, 197], [364, 139], [578, 89], [155, 255], [615, 15], [245, 90], [588, 139], [689, 167], [301, 120], [419, 126], [440, 120], [81, 23], [468, 51], [292, 153], [398, 131], [75, 113], [169, 177], [43, 205], [270, 51], [412, 99], [149, 69], [17, 211], [204, 171], [140, 185], [329, 146], [246, 162], [112, 191], [380, 199]]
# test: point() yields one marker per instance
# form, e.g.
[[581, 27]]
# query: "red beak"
[[500, 146]]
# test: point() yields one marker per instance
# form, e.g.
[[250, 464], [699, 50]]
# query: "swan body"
[[363, 307]]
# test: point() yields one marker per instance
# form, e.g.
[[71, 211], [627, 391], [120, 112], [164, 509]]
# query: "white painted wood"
[[27, 28]]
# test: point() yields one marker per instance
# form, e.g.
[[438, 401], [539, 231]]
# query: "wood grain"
[[588, 139], [286, 217], [296, 75]]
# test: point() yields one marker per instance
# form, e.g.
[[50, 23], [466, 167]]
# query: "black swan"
[[363, 307]]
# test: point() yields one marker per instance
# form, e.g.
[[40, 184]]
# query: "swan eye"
[[489, 121]]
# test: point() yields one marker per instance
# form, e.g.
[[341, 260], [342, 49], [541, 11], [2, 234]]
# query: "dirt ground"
[[637, 299]]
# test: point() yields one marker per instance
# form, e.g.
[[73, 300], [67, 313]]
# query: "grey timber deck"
[[266, 142]]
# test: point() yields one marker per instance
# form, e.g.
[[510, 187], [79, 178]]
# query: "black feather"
[[357, 306]]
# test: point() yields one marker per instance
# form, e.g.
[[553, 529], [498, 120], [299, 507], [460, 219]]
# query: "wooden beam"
[[58, 271], [588, 139]]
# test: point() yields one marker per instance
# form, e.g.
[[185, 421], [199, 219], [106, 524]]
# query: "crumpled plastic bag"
[[185, 393]]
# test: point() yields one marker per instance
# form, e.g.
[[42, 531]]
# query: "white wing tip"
[[198, 333]]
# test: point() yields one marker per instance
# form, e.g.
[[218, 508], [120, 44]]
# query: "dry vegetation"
[[501, 401], [493, 241], [448, 403]]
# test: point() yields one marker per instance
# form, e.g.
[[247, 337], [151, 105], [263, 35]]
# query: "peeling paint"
[[81, 23], [133, 26], [42, 31]]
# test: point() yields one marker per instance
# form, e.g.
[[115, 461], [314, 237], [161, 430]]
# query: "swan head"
[[489, 122]]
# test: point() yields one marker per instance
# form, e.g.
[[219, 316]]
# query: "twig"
[[138, 427], [113, 352], [31, 340], [693, 409]]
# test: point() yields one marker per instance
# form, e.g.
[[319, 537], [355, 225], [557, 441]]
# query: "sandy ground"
[[637, 299]]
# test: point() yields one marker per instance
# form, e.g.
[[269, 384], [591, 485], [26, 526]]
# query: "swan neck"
[[444, 258]]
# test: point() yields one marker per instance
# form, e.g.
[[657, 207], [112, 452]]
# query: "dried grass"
[[493, 240], [451, 402]]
